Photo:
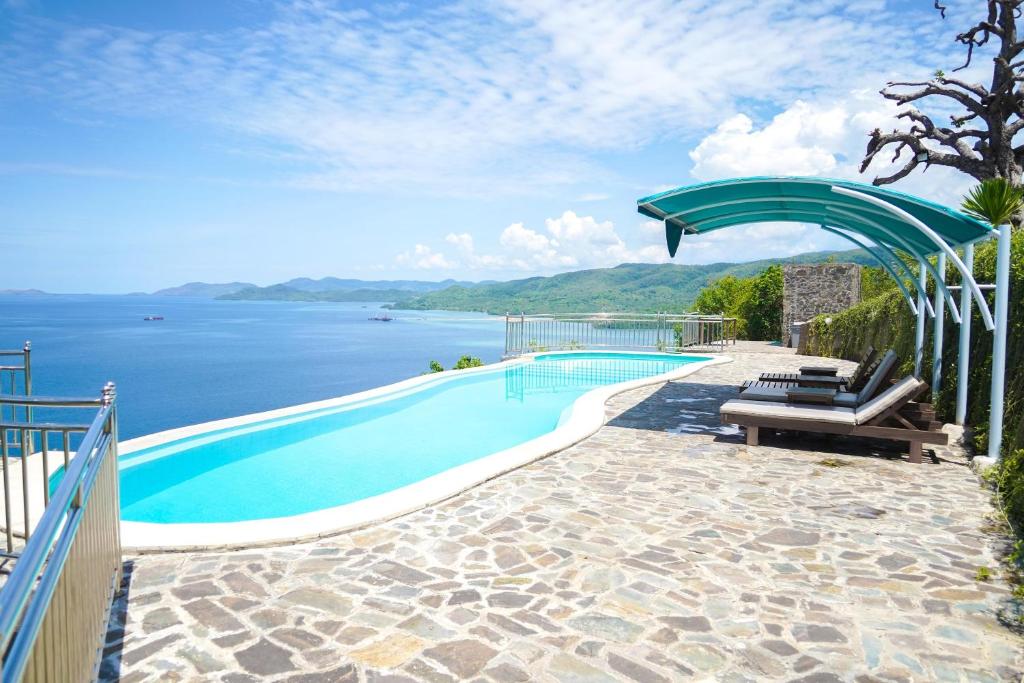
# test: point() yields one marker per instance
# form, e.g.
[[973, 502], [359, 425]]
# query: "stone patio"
[[659, 549]]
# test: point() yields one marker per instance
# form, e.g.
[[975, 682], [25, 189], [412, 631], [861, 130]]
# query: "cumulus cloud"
[[424, 258], [567, 242], [815, 138], [820, 138]]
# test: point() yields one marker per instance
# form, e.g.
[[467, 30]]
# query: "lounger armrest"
[[819, 370], [823, 381], [819, 396]]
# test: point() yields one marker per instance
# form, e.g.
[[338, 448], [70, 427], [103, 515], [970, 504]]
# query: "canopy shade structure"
[[697, 209], [884, 223]]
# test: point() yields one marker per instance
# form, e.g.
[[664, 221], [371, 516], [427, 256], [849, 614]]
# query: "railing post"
[[995, 421], [964, 349]]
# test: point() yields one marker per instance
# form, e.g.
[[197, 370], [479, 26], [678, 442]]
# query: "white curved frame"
[[968, 276], [970, 290], [885, 264]]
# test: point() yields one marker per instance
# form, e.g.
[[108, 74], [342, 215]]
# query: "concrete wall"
[[809, 290]]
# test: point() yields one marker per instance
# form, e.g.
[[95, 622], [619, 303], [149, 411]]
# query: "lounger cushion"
[[874, 383], [778, 394], [788, 411], [887, 399]]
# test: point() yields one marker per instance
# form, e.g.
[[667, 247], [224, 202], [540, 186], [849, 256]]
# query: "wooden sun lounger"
[[879, 378], [890, 415], [860, 371]]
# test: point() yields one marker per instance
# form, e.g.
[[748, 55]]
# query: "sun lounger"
[[798, 392], [890, 415], [860, 371]]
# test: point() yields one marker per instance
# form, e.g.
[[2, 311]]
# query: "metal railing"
[[10, 384], [644, 331], [55, 604]]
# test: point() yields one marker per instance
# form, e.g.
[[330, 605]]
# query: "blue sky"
[[147, 144]]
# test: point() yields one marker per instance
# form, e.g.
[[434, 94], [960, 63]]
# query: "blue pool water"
[[322, 459]]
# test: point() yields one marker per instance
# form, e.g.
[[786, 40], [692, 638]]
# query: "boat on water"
[[153, 317], [383, 318]]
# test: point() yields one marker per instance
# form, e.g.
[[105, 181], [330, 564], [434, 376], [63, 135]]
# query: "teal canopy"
[[696, 209]]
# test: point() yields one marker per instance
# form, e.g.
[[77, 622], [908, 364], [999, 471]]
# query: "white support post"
[[964, 350], [995, 421], [922, 280], [937, 329]]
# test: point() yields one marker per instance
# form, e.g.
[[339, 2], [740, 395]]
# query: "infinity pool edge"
[[587, 417]]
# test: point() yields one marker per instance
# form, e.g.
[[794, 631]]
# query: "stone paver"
[[661, 548]]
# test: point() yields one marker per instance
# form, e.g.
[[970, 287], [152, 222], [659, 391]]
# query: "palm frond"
[[994, 201]]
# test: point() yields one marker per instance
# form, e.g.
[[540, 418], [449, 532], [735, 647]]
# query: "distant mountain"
[[324, 289], [23, 292], [633, 287], [204, 289], [286, 293], [331, 284]]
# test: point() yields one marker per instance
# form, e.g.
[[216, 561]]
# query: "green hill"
[[286, 293], [633, 287]]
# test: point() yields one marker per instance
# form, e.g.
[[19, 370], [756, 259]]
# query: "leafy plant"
[[983, 574], [995, 201], [467, 361], [436, 367]]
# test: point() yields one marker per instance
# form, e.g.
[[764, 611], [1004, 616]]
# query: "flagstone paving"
[[659, 549]]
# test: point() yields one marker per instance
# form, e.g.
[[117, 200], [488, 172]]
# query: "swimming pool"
[[330, 456]]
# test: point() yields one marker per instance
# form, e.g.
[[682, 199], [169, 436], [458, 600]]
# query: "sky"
[[147, 144]]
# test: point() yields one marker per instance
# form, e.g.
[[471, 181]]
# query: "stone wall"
[[808, 290]]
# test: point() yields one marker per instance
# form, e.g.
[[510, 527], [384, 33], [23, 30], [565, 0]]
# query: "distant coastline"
[[638, 287]]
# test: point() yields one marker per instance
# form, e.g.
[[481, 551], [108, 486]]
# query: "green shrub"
[[467, 361], [875, 281], [755, 302], [762, 309]]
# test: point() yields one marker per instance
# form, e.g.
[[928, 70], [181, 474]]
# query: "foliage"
[[464, 361], [763, 308], [755, 302], [885, 322], [631, 287], [467, 361], [874, 281], [726, 296], [994, 201]]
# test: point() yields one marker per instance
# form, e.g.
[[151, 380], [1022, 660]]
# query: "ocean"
[[209, 359]]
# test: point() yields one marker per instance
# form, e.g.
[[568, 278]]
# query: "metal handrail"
[[29, 591], [525, 333]]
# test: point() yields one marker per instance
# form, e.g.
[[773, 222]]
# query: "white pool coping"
[[586, 417]]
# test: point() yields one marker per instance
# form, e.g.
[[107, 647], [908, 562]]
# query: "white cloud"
[[424, 258], [567, 242], [822, 138], [464, 97], [819, 138]]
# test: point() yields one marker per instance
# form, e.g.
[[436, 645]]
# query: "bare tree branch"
[[996, 113]]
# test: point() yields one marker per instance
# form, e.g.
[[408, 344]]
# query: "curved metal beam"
[[968, 277], [886, 249], [885, 264], [814, 217], [922, 259], [901, 242], [781, 200]]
